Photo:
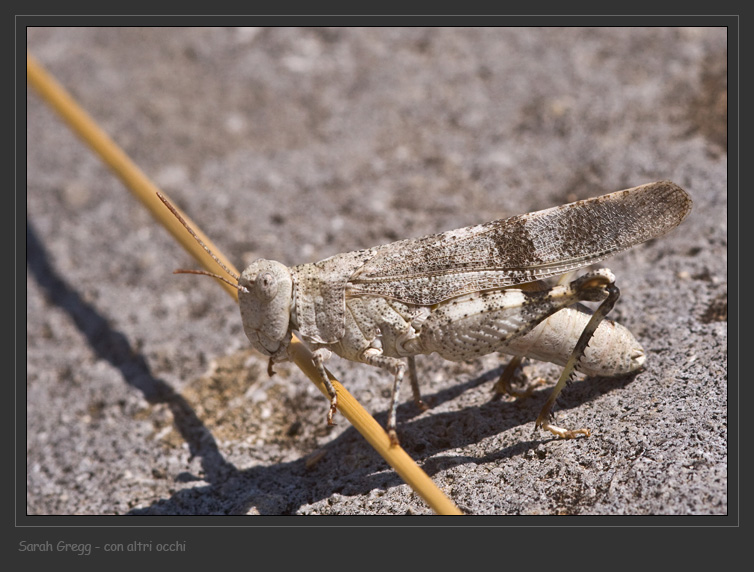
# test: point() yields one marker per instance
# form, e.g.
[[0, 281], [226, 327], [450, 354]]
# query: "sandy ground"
[[142, 394]]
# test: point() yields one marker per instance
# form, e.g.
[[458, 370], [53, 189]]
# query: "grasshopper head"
[[265, 297]]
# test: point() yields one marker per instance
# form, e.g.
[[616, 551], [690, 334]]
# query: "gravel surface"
[[292, 144]]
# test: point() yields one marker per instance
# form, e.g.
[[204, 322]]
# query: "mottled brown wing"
[[522, 248]]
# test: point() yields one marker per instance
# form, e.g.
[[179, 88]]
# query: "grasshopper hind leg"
[[613, 293]]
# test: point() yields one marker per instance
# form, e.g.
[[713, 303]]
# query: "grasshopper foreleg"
[[319, 356]]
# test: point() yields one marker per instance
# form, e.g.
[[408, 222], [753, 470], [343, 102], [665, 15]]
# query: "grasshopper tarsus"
[[332, 411], [504, 385], [393, 436], [422, 405], [414, 379]]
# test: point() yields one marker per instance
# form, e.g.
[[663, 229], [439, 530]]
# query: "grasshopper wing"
[[520, 249]]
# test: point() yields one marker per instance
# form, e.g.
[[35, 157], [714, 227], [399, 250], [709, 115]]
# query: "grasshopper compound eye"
[[265, 286]]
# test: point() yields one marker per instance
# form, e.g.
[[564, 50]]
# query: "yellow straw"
[[138, 183]]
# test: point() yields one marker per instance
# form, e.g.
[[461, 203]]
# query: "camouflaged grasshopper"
[[465, 293]]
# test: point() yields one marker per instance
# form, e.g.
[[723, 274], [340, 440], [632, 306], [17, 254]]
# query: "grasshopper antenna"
[[213, 275], [172, 209]]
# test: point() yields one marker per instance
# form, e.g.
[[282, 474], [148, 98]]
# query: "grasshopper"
[[465, 293]]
